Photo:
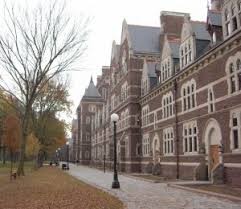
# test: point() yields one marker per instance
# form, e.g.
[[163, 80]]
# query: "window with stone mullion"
[[190, 141], [236, 130], [238, 69], [168, 141]]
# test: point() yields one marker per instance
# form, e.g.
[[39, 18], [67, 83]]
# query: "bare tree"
[[35, 46]]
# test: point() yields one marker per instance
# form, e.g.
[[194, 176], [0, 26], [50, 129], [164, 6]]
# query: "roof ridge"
[[147, 26]]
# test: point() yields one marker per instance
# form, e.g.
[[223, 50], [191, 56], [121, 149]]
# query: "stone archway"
[[212, 138]]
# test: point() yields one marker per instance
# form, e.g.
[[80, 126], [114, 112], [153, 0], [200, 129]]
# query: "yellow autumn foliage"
[[32, 146]]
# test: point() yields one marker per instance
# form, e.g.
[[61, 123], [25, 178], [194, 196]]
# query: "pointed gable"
[[91, 92]]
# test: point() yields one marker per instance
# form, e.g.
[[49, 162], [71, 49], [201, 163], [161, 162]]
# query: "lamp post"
[[115, 183], [67, 154], [59, 155]]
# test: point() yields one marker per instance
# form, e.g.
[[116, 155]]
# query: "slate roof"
[[151, 69], [91, 91], [200, 30], [144, 39], [214, 18]]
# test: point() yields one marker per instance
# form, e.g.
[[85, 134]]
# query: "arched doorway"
[[213, 138]]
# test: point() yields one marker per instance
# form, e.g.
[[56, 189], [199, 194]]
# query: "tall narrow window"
[[184, 100], [168, 141], [238, 67], [232, 78], [190, 140], [189, 95], [167, 105], [210, 100], [235, 123]]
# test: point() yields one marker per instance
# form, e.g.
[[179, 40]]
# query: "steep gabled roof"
[[200, 30], [214, 17], [91, 92], [144, 39]]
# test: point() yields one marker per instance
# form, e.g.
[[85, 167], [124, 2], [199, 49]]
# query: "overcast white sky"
[[107, 17], [106, 26]]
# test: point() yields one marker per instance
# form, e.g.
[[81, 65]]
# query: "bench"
[[65, 167]]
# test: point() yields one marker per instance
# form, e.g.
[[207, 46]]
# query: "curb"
[[230, 197], [143, 179]]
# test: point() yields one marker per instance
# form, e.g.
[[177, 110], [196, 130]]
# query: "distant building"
[[89, 104]]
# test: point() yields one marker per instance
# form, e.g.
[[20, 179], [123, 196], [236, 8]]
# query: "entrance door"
[[214, 156]]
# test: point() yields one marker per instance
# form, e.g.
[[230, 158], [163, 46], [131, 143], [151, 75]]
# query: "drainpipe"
[[176, 130]]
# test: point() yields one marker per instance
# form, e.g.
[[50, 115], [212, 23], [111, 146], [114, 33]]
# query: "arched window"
[[146, 145], [211, 107], [189, 95], [234, 74], [167, 105], [227, 22], [168, 141]]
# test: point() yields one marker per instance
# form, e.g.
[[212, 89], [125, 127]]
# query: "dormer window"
[[166, 69], [233, 69], [145, 87], [186, 53], [231, 14]]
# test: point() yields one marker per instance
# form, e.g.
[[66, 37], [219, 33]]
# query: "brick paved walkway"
[[138, 194]]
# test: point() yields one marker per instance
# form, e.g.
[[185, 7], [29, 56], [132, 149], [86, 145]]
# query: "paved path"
[[138, 194]]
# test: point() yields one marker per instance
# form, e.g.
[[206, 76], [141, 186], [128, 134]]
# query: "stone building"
[[74, 137], [177, 90], [89, 104]]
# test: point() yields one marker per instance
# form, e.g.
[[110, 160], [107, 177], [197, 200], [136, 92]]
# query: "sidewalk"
[[139, 194]]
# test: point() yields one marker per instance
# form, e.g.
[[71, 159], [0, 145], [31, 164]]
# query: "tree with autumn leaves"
[[47, 131], [11, 136], [36, 46]]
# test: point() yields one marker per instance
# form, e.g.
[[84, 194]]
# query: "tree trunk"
[[4, 155], [11, 169], [20, 171]]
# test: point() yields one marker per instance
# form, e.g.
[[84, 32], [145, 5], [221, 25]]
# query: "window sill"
[[191, 153], [168, 155], [236, 150]]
